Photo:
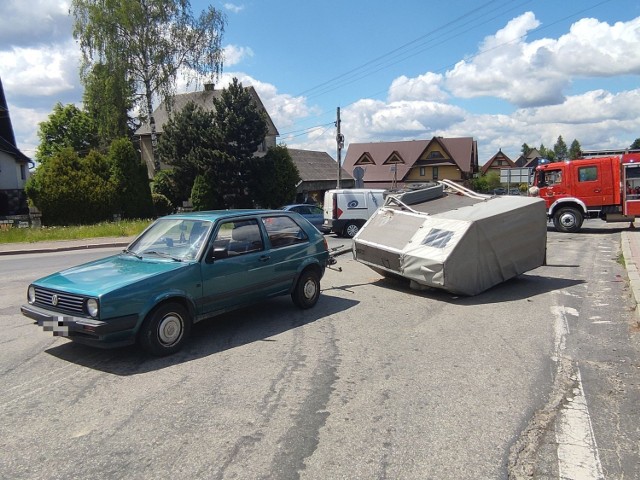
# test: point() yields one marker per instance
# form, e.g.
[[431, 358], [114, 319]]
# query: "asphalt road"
[[375, 382]]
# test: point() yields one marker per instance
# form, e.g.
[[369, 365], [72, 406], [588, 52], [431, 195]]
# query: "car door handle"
[[597, 190], [264, 258]]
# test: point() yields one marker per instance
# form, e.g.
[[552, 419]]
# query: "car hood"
[[107, 274]]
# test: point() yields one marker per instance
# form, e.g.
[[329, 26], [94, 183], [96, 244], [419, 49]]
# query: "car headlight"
[[92, 307], [31, 294]]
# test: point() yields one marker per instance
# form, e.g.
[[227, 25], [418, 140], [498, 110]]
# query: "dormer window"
[[365, 159], [394, 159]]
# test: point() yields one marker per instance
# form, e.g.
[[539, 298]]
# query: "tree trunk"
[[152, 125]]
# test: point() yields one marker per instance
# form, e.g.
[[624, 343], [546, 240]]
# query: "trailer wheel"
[[567, 220]]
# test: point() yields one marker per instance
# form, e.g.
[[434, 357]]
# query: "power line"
[[378, 63], [425, 46]]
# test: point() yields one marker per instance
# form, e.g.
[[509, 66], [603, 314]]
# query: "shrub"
[[164, 183], [204, 195], [70, 190], [131, 181], [161, 205]]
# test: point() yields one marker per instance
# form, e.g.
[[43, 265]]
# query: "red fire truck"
[[602, 184]]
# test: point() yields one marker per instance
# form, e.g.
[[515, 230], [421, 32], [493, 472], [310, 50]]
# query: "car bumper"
[[112, 333]]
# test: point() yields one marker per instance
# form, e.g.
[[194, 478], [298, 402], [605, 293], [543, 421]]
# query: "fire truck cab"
[[603, 185]]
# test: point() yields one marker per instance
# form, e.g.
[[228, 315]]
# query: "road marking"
[[578, 457]]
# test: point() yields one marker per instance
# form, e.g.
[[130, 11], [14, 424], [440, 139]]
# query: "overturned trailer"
[[460, 241]]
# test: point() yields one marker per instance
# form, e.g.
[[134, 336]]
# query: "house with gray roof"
[[14, 166], [397, 164], [203, 99], [318, 173], [530, 161]]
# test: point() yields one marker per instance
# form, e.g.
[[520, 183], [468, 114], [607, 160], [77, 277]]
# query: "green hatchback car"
[[182, 269]]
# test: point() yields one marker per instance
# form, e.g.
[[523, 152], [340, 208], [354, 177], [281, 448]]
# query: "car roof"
[[299, 205], [213, 215]]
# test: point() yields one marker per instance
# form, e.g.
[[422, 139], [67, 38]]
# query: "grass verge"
[[124, 228]]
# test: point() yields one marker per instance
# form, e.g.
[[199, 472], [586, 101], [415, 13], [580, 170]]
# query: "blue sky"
[[503, 72]]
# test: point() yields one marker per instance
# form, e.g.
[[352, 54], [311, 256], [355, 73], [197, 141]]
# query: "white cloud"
[[233, 7], [38, 72], [539, 72], [594, 48], [234, 54], [284, 109], [34, 22], [423, 87]]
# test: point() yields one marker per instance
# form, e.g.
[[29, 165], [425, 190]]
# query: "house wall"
[[448, 172], [8, 176], [13, 199]]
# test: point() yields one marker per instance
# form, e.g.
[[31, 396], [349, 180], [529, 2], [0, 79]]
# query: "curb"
[[632, 272], [64, 248]]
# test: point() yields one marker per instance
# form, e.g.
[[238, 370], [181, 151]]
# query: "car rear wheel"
[[351, 229], [165, 329], [307, 290]]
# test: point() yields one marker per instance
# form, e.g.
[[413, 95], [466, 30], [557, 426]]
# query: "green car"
[[182, 269]]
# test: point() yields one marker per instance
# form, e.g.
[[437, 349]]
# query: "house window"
[[435, 173], [435, 154], [422, 171], [23, 171]]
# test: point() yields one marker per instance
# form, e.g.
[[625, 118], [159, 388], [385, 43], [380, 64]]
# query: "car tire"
[[350, 230], [567, 220], [166, 329], [307, 290]]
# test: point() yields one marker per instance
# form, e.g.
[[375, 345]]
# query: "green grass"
[[124, 228]]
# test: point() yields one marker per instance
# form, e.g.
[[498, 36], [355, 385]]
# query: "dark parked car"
[[313, 213], [180, 270]]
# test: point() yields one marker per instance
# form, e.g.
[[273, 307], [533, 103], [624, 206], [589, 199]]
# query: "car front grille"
[[59, 301]]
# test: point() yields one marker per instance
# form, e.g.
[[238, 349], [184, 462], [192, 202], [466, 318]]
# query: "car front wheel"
[[568, 220], [166, 329], [307, 290]]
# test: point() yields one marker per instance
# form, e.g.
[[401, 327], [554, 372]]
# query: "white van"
[[346, 210]]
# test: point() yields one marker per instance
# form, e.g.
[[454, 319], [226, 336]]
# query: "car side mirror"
[[216, 253]]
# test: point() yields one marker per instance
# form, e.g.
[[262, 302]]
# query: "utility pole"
[[340, 144]]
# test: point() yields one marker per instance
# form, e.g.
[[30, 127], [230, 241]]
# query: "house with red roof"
[[498, 162], [396, 164]]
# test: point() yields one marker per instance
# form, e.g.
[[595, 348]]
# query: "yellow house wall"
[[444, 172]]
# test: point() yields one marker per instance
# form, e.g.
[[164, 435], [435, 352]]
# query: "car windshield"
[[172, 238]]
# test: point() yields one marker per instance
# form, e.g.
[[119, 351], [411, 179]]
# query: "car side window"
[[303, 210], [283, 231], [238, 238], [316, 210]]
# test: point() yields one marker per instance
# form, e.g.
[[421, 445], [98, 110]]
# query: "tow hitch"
[[332, 259]]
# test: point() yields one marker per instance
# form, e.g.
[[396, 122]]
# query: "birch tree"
[[153, 41]]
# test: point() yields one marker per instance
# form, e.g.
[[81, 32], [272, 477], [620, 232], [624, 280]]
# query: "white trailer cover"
[[465, 250]]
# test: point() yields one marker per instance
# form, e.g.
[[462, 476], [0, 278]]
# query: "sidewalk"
[[63, 245], [631, 253]]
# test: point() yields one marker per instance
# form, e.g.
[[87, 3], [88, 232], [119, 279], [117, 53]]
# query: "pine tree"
[[575, 150], [560, 149]]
